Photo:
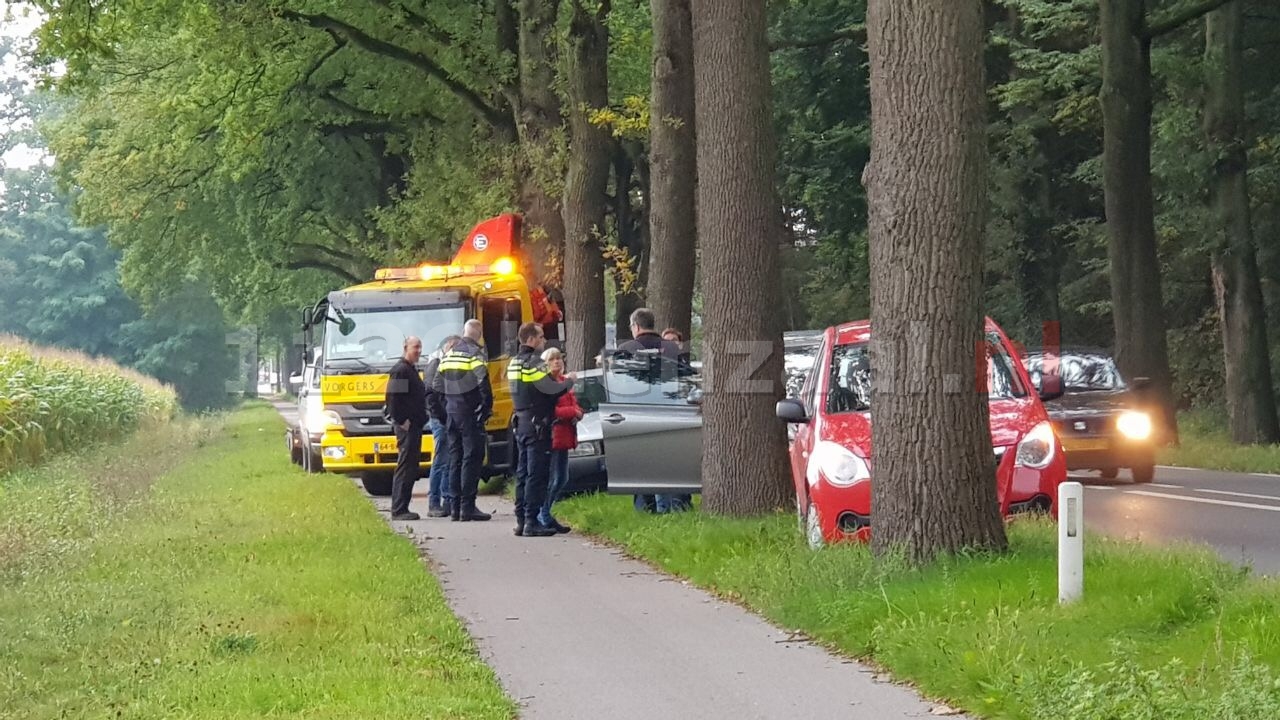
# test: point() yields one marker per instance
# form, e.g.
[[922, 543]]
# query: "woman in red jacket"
[[564, 437]]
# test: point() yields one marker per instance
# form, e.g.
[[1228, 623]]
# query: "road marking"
[[1162, 485], [1265, 475], [1100, 487], [1206, 501], [1239, 494]]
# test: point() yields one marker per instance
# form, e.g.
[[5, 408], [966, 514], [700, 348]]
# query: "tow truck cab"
[[361, 331]]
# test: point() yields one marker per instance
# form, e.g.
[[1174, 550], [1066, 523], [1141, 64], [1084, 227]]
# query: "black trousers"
[[408, 456], [534, 438], [517, 462], [466, 456]]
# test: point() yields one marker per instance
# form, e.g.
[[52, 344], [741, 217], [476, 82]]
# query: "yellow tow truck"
[[360, 332]]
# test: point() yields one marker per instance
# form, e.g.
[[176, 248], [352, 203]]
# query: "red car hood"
[[1010, 420]]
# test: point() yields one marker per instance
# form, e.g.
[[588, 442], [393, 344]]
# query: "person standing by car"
[[463, 380], [535, 397], [407, 408], [564, 437], [667, 345], [440, 494]]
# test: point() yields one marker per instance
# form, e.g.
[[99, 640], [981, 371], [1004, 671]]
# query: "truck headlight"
[[1035, 450], [1134, 425], [839, 465], [320, 419]]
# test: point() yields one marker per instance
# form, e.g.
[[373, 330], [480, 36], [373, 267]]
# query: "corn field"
[[53, 400]]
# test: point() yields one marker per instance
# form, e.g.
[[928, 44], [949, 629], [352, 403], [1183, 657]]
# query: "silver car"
[[653, 418]]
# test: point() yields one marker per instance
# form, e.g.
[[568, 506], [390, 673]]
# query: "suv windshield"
[[1080, 371], [377, 339], [850, 389]]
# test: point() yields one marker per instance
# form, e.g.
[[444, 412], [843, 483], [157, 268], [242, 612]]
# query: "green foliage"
[[1173, 633], [61, 287], [54, 401], [227, 585]]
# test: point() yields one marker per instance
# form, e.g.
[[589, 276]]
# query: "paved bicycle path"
[[577, 631]]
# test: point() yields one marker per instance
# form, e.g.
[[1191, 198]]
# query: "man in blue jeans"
[[440, 496]]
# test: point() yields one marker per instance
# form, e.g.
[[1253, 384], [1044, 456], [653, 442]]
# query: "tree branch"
[[1178, 17], [856, 32], [313, 264], [416, 59], [417, 20]]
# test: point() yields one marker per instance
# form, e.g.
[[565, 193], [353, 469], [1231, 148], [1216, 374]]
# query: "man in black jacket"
[[645, 337], [407, 408], [463, 379], [534, 395]]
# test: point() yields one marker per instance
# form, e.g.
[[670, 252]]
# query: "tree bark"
[[633, 230], [1137, 302], [673, 157], [586, 183], [540, 170], [744, 467], [934, 474], [1250, 394]]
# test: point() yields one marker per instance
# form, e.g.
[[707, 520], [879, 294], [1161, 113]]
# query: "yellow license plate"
[[386, 448], [1085, 444]]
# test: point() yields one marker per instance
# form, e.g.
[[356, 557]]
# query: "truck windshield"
[[376, 340]]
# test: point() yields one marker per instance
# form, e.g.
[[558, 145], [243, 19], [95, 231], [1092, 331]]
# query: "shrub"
[[53, 400]]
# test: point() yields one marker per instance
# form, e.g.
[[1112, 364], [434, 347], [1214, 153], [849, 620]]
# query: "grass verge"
[[234, 586], [1205, 443], [1168, 634]]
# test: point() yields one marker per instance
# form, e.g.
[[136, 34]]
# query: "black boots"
[[438, 510], [455, 509], [537, 529], [519, 529], [469, 512]]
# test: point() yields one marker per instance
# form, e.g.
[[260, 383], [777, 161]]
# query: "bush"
[[54, 400]]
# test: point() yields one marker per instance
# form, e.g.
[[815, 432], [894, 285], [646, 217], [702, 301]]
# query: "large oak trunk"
[[744, 468], [1141, 349], [934, 472], [539, 119], [672, 156], [586, 184], [1250, 394]]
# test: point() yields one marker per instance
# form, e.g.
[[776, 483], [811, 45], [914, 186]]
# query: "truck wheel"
[[1143, 473], [377, 484], [313, 462]]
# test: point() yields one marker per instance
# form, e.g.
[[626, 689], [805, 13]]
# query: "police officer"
[[463, 379], [534, 395]]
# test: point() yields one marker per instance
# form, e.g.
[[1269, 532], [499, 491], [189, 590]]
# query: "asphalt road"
[[1237, 514]]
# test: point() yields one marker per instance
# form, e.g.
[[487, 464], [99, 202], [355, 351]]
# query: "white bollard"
[[1070, 542]]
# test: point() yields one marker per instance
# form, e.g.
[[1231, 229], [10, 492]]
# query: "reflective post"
[[1070, 542]]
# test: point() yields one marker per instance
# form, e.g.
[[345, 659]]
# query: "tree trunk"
[[934, 489], [673, 156], [744, 467], [540, 118], [1250, 394], [586, 183], [1137, 304], [632, 229]]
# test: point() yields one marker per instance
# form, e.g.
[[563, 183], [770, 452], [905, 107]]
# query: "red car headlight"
[[837, 464], [1036, 448]]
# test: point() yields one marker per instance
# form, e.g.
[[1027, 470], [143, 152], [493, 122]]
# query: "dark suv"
[[1101, 420]]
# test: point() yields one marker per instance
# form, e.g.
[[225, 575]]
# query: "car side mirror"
[[791, 410], [295, 380], [1050, 387], [694, 397]]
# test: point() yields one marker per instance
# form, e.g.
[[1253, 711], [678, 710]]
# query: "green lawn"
[[1205, 443], [1168, 634], [229, 586]]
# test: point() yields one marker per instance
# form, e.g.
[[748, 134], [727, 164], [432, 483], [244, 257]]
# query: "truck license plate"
[[1085, 444]]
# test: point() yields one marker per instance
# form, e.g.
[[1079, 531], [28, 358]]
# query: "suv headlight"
[[1134, 425], [1035, 450], [838, 465]]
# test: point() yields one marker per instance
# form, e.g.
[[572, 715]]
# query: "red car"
[[831, 436]]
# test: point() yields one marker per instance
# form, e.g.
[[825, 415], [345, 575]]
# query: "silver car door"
[[652, 427]]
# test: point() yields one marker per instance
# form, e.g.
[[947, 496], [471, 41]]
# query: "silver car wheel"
[[813, 527]]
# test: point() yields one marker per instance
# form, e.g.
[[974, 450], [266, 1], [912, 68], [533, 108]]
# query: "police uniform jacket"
[[463, 379]]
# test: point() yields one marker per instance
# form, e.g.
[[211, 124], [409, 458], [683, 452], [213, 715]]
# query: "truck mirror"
[[346, 325]]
